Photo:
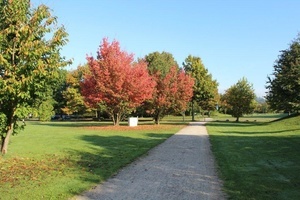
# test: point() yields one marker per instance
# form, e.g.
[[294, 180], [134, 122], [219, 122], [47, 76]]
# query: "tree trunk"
[[156, 119], [116, 119], [237, 119], [193, 113], [5, 140]]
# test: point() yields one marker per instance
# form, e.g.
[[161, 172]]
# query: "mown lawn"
[[58, 160], [263, 117], [258, 160]]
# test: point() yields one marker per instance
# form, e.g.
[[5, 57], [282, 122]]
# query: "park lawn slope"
[[58, 160], [258, 160]]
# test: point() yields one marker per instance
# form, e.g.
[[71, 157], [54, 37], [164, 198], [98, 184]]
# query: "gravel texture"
[[182, 167]]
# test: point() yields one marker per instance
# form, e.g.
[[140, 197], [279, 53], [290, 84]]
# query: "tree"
[[173, 86], [223, 105], [116, 81], [30, 43], [205, 90], [284, 84], [45, 110], [58, 88], [160, 62], [72, 94], [173, 91], [240, 97], [184, 92], [261, 105]]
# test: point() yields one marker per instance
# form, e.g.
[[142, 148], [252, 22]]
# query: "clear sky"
[[234, 38]]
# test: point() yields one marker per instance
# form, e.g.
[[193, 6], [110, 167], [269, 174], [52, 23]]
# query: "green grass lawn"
[[58, 160], [258, 160], [266, 117]]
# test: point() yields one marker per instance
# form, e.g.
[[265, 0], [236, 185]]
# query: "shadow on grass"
[[252, 128], [261, 132], [258, 167], [265, 116], [260, 162], [234, 124], [107, 155]]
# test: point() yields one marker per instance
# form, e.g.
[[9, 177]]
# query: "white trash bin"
[[132, 121]]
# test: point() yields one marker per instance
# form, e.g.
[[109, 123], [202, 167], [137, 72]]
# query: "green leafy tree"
[[205, 90], [58, 88], [160, 62], [240, 98], [30, 44], [284, 84], [223, 105], [72, 94], [45, 110]]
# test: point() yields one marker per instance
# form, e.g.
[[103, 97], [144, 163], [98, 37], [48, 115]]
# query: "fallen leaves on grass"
[[14, 171], [132, 128]]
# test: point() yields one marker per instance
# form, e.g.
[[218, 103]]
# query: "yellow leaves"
[[50, 21], [15, 170], [3, 61]]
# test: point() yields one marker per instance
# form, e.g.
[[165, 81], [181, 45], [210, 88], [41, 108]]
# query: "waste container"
[[132, 121]]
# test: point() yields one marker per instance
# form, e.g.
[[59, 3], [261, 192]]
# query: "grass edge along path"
[[258, 160], [58, 160]]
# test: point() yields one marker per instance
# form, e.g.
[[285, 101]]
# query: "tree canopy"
[[116, 82], [205, 90], [171, 94], [160, 62], [284, 84], [30, 60], [74, 101], [174, 88], [240, 97]]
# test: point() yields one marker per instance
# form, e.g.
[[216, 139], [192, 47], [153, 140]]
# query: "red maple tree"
[[116, 82], [171, 94]]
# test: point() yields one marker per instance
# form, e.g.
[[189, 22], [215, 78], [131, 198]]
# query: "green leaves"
[[205, 88], [3, 120], [30, 44], [240, 98], [284, 84], [160, 62], [45, 110]]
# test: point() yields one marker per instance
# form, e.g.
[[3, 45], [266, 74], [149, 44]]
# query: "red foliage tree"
[[171, 94], [116, 82]]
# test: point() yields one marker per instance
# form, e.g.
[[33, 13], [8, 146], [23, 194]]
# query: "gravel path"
[[180, 168]]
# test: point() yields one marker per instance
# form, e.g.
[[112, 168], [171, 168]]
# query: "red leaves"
[[184, 92], [122, 85], [115, 80], [173, 91]]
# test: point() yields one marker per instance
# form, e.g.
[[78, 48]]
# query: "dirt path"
[[180, 168]]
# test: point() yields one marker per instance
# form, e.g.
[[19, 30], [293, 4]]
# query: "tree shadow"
[[234, 124], [106, 155], [258, 167], [260, 132]]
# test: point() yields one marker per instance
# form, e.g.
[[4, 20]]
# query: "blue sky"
[[234, 38]]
